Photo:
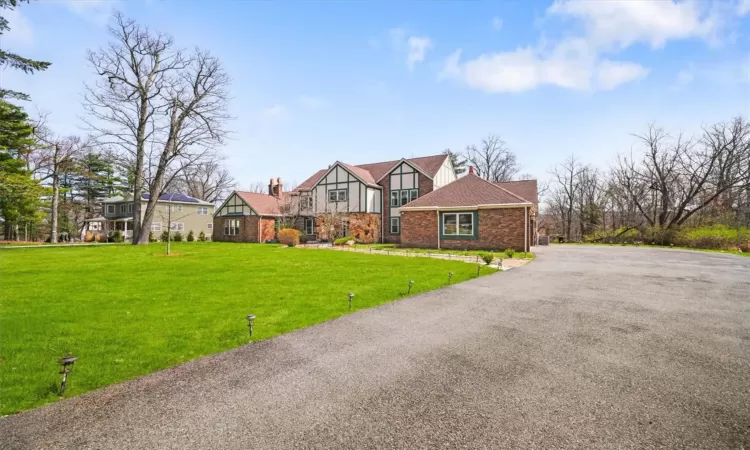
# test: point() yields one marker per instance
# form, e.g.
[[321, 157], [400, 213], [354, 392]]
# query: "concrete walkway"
[[588, 347]]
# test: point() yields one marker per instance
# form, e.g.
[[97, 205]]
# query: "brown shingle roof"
[[526, 189], [263, 204], [468, 191], [363, 174], [427, 164], [308, 183]]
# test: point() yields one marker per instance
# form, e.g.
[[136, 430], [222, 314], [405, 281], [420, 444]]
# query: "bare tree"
[[258, 187], [125, 102], [566, 178], [208, 181], [492, 160], [196, 104]]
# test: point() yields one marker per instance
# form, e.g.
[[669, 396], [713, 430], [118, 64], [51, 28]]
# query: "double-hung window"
[[336, 195], [395, 225], [202, 211], [459, 224], [177, 226], [110, 210], [231, 227], [307, 202], [403, 196], [309, 226], [156, 226], [210, 226]]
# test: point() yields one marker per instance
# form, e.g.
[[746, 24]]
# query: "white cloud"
[[95, 11], [743, 7], [497, 23], [418, 47], [610, 74], [21, 33], [312, 103]]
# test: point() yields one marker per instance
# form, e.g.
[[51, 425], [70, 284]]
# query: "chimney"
[[270, 186], [278, 189], [471, 170]]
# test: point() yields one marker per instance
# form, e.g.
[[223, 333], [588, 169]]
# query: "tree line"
[[667, 182], [156, 118]]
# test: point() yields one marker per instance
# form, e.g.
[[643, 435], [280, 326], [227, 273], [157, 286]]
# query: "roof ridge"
[[499, 187]]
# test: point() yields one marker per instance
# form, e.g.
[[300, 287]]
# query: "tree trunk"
[[138, 236], [55, 207]]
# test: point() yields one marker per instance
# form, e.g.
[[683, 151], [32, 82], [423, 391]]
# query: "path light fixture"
[[67, 367], [500, 264], [250, 320], [351, 296], [479, 267], [450, 275], [411, 283]]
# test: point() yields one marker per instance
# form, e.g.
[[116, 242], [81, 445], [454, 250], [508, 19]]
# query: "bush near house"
[[289, 237], [201, 237], [190, 236], [487, 257], [115, 236], [165, 236], [343, 240], [509, 252], [177, 237], [151, 236]]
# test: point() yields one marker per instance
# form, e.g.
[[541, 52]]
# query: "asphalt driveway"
[[587, 347]]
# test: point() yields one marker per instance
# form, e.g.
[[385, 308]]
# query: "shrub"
[[89, 237], [289, 237], [715, 237], [343, 240], [202, 237], [303, 238], [509, 252], [165, 236], [190, 236], [116, 236], [100, 237], [151, 237], [177, 237], [487, 257]]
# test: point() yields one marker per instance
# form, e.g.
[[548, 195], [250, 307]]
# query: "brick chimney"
[[278, 189], [271, 186], [471, 170]]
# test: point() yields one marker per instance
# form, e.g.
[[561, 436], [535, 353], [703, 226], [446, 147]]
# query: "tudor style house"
[[388, 202], [187, 214]]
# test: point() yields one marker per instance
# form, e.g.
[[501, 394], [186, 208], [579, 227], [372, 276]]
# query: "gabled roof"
[[373, 172], [469, 191], [262, 204], [171, 198], [526, 189]]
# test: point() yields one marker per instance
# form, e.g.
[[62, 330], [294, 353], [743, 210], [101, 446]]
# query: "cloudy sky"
[[316, 82]]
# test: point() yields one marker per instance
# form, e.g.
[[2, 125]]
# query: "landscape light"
[[250, 320], [67, 363], [450, 275], [479, 267], [411, 283], [351, 296]]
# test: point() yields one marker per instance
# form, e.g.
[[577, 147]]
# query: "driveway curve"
[[587, 347]]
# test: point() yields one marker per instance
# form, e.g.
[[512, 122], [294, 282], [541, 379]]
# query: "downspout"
[[525, 229], [437, 214]]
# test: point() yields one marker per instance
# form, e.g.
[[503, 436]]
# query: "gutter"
[[465, 208]]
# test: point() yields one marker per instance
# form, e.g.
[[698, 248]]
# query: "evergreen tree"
[[13, 60], [459, 164]]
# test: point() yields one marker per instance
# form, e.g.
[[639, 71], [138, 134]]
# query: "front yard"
[[127, 311]]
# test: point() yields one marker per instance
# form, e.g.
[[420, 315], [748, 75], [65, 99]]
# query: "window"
[[458, 224], [231, 227], [156, 226], [402, 197], [307, 202], [344, 227], [202, 211], [177, 208], [110, 210], [123, 208], [177, 226], [210, 226], [310, 226], [395, 225], [337, 195]]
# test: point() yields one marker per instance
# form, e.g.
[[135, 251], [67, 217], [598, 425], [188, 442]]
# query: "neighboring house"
[[187, 214], [362, 201], [473, 213]]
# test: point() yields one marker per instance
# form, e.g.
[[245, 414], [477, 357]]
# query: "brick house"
[[473, 213], [391, 201]]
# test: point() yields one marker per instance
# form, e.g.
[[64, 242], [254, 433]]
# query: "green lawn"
[[396, 247], [126, 312]]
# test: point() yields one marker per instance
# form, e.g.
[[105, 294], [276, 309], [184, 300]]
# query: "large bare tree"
[[125, 103], [492, 160], [566, 178], [209, 181]]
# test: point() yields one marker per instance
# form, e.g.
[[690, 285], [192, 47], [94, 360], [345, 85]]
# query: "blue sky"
[[316, 82]]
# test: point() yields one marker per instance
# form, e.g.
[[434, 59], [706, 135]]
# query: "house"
[[370, 202], [341, 200], [473, 213], [186, 214]]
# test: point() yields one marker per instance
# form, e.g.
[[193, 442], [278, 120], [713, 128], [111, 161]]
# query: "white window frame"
[[339, 195], [112, 211], [156, 229], [397, 222], [231, 227], [309, 226], [458, 224], [413, 194], [123, 208], [203, 210], [307, 202], [177, 226], [210, 226], [395, 199]]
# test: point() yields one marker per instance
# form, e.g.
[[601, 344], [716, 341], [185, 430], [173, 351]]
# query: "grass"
[[676, 247], [125, 312], [396, 247]]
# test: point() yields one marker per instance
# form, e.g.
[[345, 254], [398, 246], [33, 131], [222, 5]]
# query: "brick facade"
[[425, 185], [498, 230], [248, 229]]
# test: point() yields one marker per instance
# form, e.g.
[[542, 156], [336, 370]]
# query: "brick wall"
[[498, 230], [425, 186], [248, 229]]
